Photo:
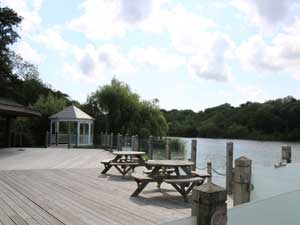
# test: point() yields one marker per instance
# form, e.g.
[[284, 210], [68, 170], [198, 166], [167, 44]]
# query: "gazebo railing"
[[63, 138]]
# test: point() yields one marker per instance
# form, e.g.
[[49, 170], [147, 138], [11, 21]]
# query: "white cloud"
[[281, 54], [51, 38], [29, 10], [210, 62], [155, 58], [29, 54], [267, 13], [94, 64]]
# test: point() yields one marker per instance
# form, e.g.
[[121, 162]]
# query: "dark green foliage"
[[273, 120], [117, 109], [9, 20]]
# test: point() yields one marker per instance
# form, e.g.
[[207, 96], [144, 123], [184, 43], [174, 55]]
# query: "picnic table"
[[124, 161], [175, 172]]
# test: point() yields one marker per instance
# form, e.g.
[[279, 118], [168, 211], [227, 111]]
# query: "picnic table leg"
[[106, 168], [141, 185], [181, 190], [120, 170]]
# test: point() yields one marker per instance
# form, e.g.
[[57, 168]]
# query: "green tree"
[[9, 21], [122, 111]]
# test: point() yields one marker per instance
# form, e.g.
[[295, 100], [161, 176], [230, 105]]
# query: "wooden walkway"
[[79, 196]]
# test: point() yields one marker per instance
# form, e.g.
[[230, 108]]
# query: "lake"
[[262, 153]]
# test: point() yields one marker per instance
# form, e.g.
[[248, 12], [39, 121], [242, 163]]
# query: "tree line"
[[272, 120]]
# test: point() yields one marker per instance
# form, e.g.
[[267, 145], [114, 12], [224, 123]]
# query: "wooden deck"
[[47, 186]]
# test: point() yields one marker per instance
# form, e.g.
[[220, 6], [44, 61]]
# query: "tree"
[[123, 111], [9, 21]]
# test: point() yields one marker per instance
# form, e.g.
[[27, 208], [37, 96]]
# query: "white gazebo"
[[71, 126]]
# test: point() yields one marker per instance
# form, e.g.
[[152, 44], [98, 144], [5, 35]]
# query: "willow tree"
[[117, 109]]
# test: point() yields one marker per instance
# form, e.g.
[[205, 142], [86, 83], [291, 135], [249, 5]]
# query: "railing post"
[[56, 138], [136, 142], [132, 142], [126, 140], [168, 151], [46, 139], [106, 141], [119, 142], [194, 154], [69, 140], [150, 147], [286, 154], [209, 204], [242, 180], [111, 141], [229, 167], [101, 134], [209, 171]]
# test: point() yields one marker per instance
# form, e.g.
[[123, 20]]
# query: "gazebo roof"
[[71, 113]]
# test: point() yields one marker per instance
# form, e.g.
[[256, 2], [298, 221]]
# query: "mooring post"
[[209, 171], [150, 148], [229, 167], [286, 154], [111, 141], [209, 204], [168, 151], [194, 154], [242, 180], [46, 139]]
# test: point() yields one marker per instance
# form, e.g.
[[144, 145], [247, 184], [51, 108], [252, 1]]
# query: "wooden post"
[[126, 140], [136, 142], [194, 154], [168, 151], [242, 180], [7, 132], [229, 167], [119, 142], [101, 139], [21, 140], [106, 140], [111, 141], [133, 143], [209, 171], [46, 139], [56, 138], [286, 154], [69, 140], [209, 204], [150, 148]]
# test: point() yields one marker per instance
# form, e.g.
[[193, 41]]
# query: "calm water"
[[262, 153]]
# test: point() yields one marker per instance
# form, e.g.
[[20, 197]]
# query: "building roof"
[[11, 108], [71, 113]]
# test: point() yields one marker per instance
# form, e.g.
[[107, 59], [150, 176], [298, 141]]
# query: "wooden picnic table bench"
[[168, 171], [124, 161]]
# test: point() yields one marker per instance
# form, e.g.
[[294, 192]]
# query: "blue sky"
[[189, 54]]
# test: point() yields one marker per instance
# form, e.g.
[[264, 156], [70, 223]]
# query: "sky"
[[191, 54]]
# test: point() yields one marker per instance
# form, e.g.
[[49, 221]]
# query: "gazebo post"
[[78, 133], [89, 133], [57, 132]]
